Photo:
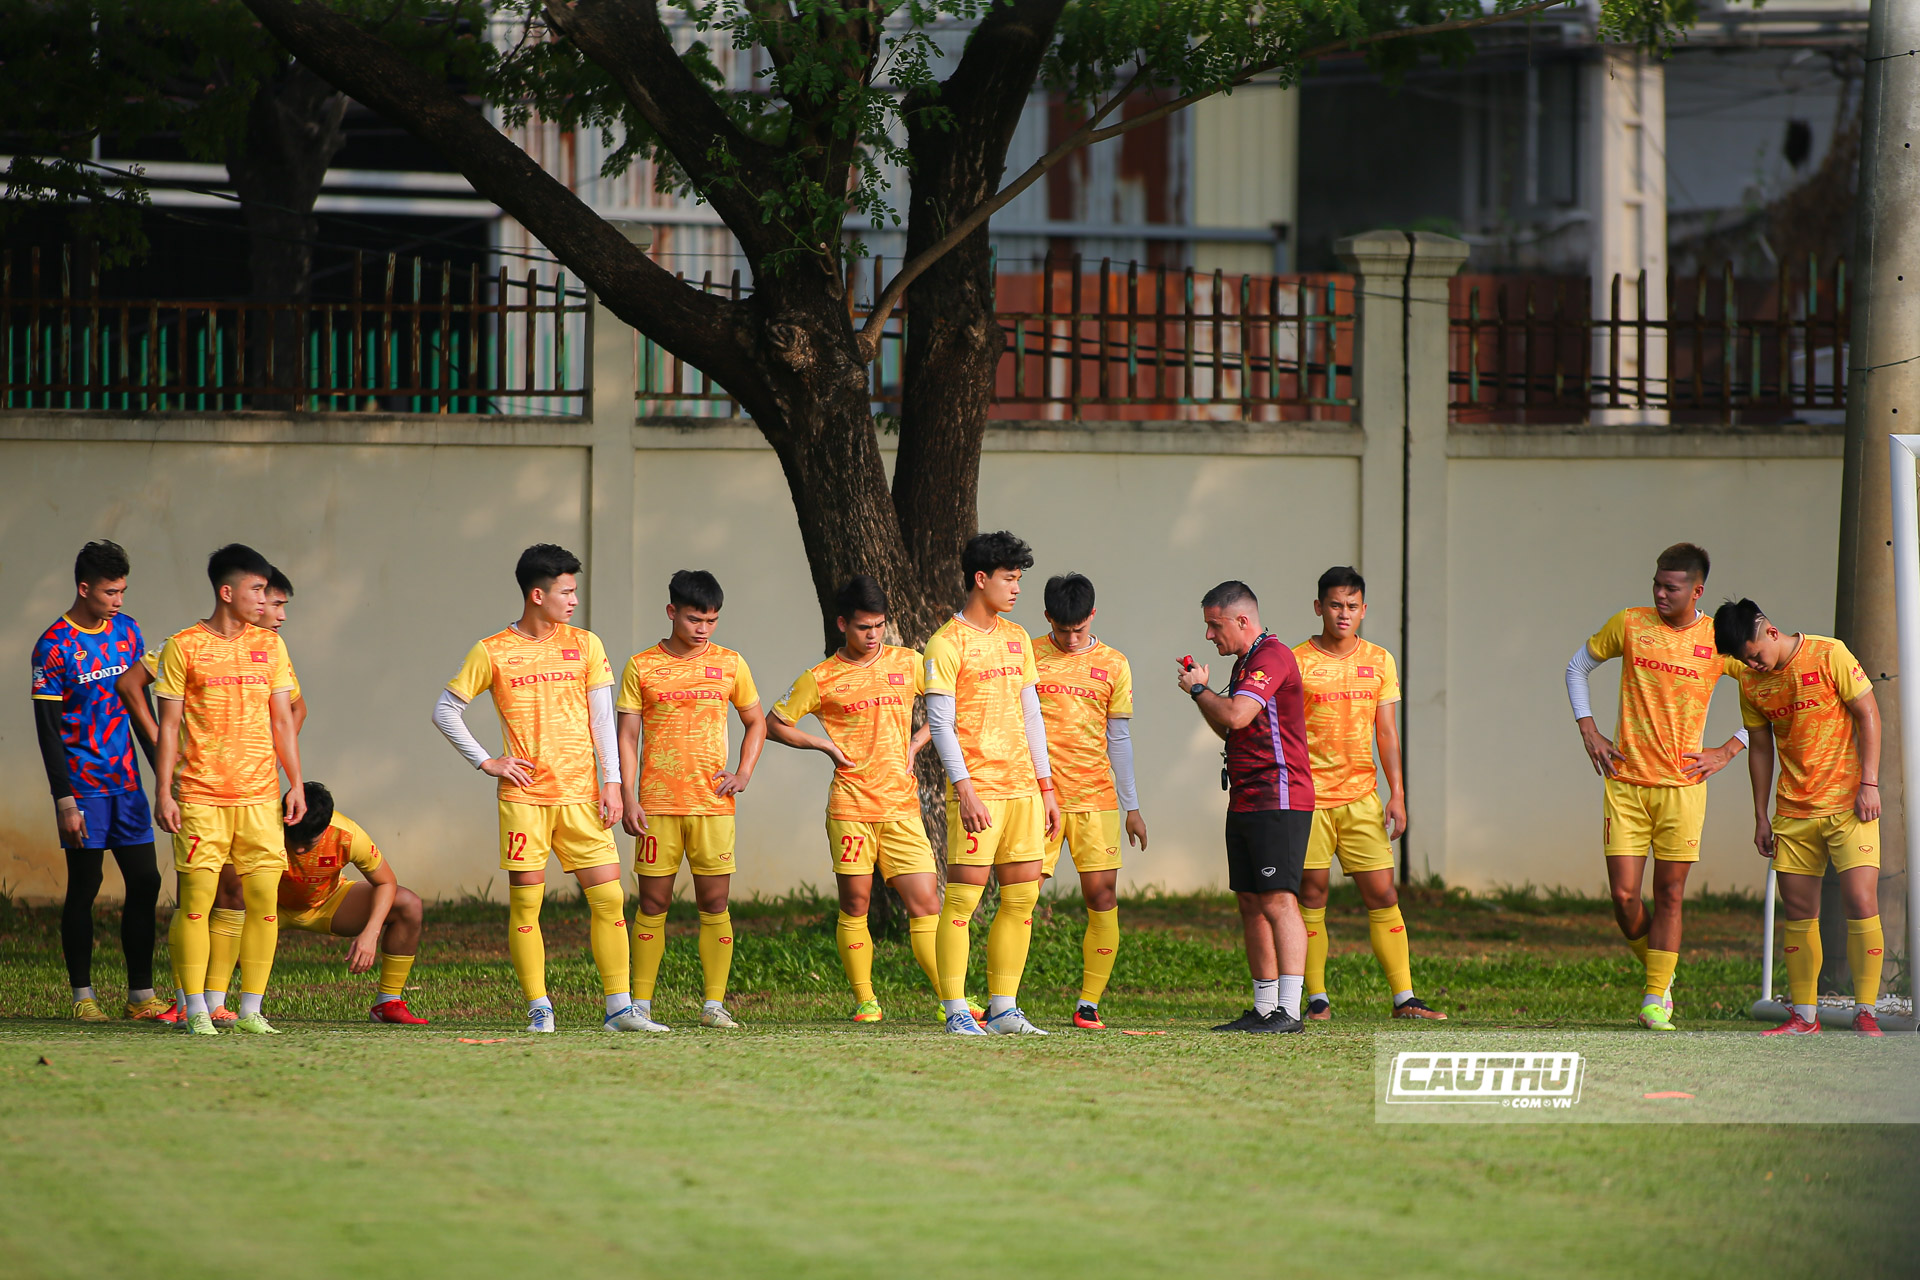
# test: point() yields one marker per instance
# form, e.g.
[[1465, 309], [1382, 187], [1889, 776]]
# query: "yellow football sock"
[[187, 935], [1660, 967], [649, 948], [607, 934], [525, 946], [223, 946], [1803, 960], [716, 952], [1865, 944], [923, 933], [1639, 948], [954, 937], [1387, 931], [1315, 919], [1008, 939], [856, 953], [393, 973], [260, 935], [1097, 949]]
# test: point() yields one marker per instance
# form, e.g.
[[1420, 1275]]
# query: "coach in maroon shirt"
[[1270, 803]]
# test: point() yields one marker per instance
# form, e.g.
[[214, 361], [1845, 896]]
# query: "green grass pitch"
[[803, 1146]]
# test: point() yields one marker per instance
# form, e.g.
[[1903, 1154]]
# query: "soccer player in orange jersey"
[[984, 714], [553, 690], [226, 718], [381, 916], [862, 695], [679, 789], [1086, 703], [1806, 698], [1654, 765], [1349, 687]]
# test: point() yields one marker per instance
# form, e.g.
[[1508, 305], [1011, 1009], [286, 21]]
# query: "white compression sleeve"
[[449, 717], [1120, 756], [1036, 731], [1579, 667], [600, 720], [945, 741]]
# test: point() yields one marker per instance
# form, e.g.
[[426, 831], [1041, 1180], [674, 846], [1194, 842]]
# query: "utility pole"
[[1883, 397]]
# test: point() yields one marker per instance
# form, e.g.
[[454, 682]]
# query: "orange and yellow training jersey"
[[867, 710], [682, 703], [1079, 693], [311, 877], [540, 691], [225, 687], [985, 671], [1666, 681], [1805, 703], [1343, 696], [151, 661]]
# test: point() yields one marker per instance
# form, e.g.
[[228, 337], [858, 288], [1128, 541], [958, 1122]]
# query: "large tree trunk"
[[293, 133]]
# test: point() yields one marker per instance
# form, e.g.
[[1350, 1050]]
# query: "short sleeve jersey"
[[540, 691], [1805, 703], [77, 669], [1342, 697], [151, 661], [984, 672], [1267, 762], [1666, 681], [867, 710], [311, 877], [682, 704], [1079, 693], [225, 687]]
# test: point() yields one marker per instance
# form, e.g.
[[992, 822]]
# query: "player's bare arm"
[[1386, 736], [790, 735], [1703, 764], [754, 720], [166, 810], [1606, 757], [286, 745], [1222, 714], [1760, 774], [921, 737], [364, 951], [1866, 734], [633, 819]]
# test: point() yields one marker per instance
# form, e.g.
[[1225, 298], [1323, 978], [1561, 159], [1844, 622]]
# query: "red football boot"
[[396, 1013], [1794, 1026]]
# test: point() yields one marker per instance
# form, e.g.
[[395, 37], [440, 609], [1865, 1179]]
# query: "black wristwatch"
[[1196, 689]]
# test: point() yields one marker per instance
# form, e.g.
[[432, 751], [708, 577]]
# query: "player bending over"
[[553, 690], [381, 917], [1806, 697], [984, 715], [226, 715], [1350, 686], [676, 693], [1654, 767], [1086, 703], [862, 695], [98, 801]]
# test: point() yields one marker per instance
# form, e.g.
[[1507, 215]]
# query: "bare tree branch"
[[1088, 134]]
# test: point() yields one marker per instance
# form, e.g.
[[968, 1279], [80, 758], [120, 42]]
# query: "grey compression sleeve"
[[600, 720], [945, 741], [1036, 731], [1579, 694], [450, 719], [1120, 756]]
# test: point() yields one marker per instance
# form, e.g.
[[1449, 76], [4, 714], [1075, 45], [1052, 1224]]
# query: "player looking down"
[[381, 917], [98, 801], [984, 716], [1654, 765], [553, 690], [1350, 686], [862, 695], [679, 790], [1805, 698], [1086, 703]]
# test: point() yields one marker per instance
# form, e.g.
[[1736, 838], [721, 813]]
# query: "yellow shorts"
[[705, 840], [253, 837], [1018, 833], [1803, 846], [528, 832], [900, 848], [1092, 838], [1666, 820], [1355, 832], [318, 919]]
